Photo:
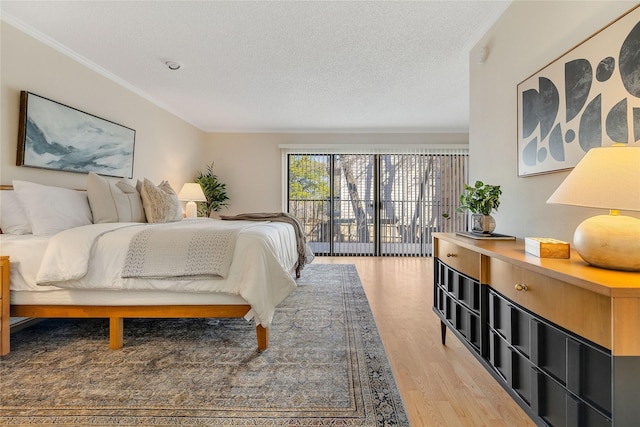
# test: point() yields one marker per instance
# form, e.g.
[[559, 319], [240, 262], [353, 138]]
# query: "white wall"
[[166, 147], [251, 163], [528, 36]]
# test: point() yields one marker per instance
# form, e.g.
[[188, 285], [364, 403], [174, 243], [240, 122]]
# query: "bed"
[[80, 271]]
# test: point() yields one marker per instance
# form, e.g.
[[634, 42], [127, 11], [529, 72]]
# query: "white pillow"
[[53, 209], [160, 203], [13, 219], [109, 202]]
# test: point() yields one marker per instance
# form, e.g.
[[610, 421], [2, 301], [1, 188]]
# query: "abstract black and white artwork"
[[589, 97], [55, 136]]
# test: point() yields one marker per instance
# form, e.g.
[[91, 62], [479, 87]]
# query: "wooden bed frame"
[[117, 314]]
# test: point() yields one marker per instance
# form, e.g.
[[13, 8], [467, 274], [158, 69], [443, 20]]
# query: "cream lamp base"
[[191, 210], [609, 241]]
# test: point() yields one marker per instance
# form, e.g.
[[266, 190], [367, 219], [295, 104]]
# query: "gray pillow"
[[113, 202], [160, 203]]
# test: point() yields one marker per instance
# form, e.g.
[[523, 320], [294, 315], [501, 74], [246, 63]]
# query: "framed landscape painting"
[[55, 136], [589, 97]]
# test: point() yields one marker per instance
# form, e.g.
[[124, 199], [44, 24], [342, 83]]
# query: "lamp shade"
[[191, 192], [606, 177]]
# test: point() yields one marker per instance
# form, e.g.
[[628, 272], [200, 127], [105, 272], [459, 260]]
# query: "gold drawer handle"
[[451, 255], [521, 287]]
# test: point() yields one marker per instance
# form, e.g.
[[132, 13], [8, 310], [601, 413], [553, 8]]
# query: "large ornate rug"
[[325, 366]]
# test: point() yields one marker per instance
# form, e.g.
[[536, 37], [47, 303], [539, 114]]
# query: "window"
[[384, 204]]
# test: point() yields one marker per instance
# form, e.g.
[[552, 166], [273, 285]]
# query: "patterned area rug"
[[325, 366]]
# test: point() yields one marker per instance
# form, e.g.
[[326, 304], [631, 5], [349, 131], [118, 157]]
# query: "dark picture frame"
[[55, 136], [588, 97]]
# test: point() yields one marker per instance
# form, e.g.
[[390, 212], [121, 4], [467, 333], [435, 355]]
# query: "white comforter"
[[92, 257]]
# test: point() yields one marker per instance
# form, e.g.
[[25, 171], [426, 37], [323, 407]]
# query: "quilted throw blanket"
[[182, 250]]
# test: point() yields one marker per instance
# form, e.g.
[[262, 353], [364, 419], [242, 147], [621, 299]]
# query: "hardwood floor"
[[440, 385]]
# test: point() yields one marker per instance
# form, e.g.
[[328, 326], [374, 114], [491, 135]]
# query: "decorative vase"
[[482, 224]]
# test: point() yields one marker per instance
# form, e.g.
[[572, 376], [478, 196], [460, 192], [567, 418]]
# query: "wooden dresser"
[[4, 305], [562, 337]]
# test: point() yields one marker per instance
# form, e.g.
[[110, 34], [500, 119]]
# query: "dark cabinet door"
[[565, 379]]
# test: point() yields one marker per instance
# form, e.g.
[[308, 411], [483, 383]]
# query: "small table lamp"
[[191, 193], [608, 178]]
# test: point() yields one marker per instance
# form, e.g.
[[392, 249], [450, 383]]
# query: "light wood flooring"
[[440, 385]]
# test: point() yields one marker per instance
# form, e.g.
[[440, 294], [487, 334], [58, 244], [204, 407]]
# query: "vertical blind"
[[372, 201]]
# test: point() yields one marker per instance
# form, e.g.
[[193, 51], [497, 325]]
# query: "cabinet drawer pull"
[[450, 255], [521, 287]]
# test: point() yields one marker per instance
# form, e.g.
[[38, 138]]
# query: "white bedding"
[[264, 258]]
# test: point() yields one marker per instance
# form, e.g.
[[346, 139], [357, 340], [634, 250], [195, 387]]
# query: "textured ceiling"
[[271, 66]]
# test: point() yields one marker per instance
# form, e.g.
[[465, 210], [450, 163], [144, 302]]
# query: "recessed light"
[[173, 65]]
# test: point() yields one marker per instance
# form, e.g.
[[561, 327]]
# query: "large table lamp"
[[191, 192], [607, 178]]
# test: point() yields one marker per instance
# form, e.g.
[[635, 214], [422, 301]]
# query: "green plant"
[[480, 198], [214, 190]]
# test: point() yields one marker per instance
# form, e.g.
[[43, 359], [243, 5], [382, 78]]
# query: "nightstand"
[[5, 316]]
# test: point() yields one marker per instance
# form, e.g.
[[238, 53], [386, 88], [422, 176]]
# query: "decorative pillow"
[[13, 219], [113, 202], [52, 209], [160, 203]]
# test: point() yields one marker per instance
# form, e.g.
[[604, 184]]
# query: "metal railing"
[[403, 236]]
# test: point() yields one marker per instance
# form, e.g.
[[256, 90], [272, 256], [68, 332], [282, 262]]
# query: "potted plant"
[[214, 191], [480, 199]]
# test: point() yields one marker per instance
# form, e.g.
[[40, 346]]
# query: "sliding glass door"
[[375, 204]]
